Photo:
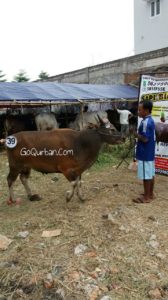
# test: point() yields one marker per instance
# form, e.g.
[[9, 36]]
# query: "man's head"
[[145, 108]]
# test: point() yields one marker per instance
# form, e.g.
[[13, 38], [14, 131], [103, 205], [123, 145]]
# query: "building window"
[[152, 9], [155, 8]]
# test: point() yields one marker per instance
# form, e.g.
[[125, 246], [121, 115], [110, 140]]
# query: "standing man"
[[125, 115], [145, 151]]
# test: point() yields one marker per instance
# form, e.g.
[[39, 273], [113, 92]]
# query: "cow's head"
[[105, 122], [108, 133]]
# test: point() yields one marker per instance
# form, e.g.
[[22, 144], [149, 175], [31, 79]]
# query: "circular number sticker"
[[11, 141]]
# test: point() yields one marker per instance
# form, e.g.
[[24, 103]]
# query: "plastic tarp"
[[63, 92]]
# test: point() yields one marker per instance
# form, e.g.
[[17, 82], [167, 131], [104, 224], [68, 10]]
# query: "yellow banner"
[[155, 96]]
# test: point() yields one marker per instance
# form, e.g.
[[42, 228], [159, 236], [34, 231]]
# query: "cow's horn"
[[101, 121], [97, 120]]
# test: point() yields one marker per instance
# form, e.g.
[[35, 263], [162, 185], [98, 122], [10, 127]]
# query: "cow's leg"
[[76, 185], [79, 192], [69, 194], [71, 175], [24, 176], [11, 178]]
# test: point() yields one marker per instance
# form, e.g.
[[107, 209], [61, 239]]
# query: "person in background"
[[145, 151], [125, 115]]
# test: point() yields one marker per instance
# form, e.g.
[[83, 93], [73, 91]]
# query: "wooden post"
[[66, 116], [82, 107]]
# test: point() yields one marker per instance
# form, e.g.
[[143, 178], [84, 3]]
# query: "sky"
[[59, 36]]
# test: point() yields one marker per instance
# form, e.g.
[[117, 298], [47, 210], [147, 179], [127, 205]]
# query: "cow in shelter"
[[29, 122], [63, 151], [114, 118], [82, 121], [46, 121], [161, 130], [16, 123]]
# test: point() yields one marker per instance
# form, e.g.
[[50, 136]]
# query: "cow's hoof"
[[68, 196], [18, 201], [14, 202], [10, 202], [34, 197]]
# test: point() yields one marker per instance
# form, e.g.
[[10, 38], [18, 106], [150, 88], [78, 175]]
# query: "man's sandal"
[[141, 200]]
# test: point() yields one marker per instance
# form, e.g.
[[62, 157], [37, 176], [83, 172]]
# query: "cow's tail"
[[2, 141]]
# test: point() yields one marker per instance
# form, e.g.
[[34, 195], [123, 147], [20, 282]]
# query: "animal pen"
[[36, 97]]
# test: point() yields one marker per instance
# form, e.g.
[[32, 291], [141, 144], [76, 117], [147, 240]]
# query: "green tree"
[[21, 76], [2, 79], [43, 75]]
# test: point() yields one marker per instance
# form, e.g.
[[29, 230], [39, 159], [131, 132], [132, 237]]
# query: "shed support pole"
[[82, 107]]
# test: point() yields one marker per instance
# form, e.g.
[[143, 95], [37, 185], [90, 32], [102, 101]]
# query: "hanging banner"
[[156, 90]]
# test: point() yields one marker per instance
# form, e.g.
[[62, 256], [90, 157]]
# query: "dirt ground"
[[124, 250]]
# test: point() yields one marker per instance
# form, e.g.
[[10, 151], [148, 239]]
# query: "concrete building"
[[150, 25], [125, 70]]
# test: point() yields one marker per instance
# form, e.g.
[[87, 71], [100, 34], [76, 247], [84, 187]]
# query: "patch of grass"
[[112, 154], [105, 159]]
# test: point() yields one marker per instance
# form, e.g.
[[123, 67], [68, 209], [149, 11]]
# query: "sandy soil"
[[126, 249]]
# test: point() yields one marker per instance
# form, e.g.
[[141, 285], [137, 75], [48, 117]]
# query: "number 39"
[[11, 141]]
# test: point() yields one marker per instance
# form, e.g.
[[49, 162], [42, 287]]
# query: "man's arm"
[[147, 133], [141, 138]]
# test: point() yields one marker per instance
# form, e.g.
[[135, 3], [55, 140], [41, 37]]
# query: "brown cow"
[[83, 149]]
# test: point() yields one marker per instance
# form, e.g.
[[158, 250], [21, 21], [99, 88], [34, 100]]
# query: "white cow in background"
[[89, 117], [46, 121]]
